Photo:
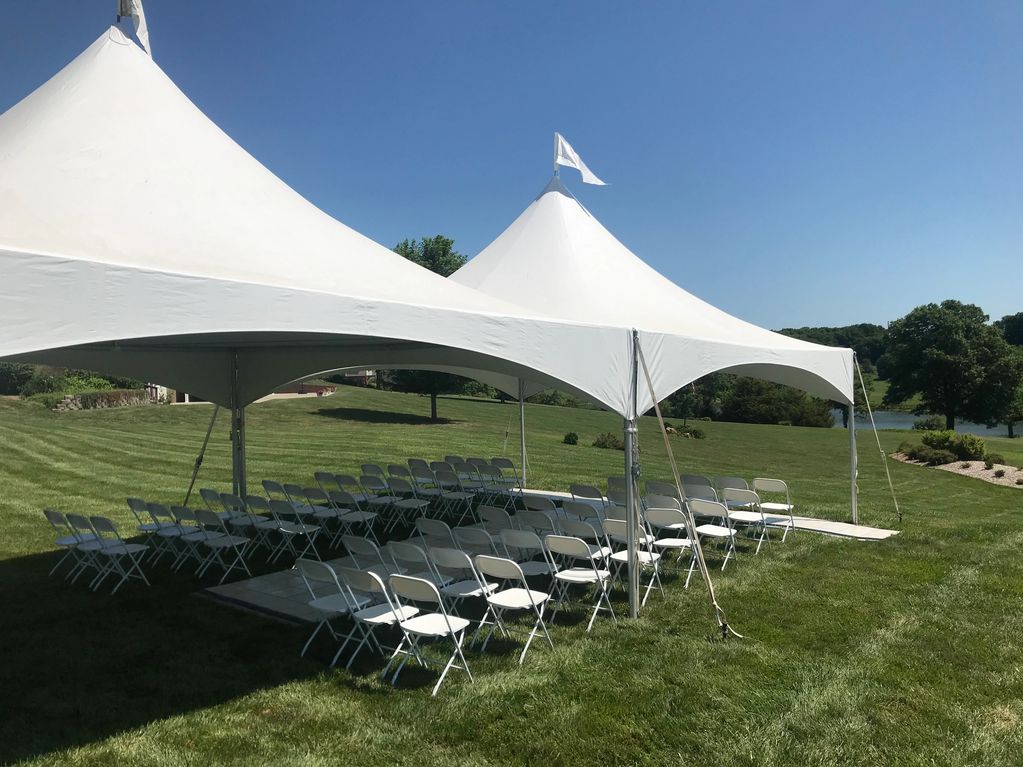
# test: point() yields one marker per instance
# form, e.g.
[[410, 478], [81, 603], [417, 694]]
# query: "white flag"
[[133, 8], [565, 155]]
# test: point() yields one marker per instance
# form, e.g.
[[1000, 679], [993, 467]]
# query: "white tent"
[[137, 238]]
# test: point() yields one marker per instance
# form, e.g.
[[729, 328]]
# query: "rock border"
[[975, 469]]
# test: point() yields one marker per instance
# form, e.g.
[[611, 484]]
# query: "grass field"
[[902, 652]]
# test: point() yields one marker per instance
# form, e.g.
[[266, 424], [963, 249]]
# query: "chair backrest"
[[423, 475], [413, 589], [654, 487], [535, 520], [414, 463], [577, 528], [281, 510], [473, 537], [400, 486], [615, 483], [295, 493], [257, 504], [499, 567], [738, 497], [495, 518], [342, 499], [453, 459], [210, 497], [720, 483], [313, 571], [138, 509], [57, 520], [488, 473], [183, 515], [447, 480], [363, 581], [372, 468], [700, 492], [325, 480], [465, 469], [523, 540], [272, 488], [409, 553], [434, 528], [540, 503], [159, 513], [397, 470], [579, 510], [587, 492], [315, 497], [232, 503], [364, 551], [616, 530], [617, 497], [663, 517], [104, 526], [451, 559], [709, 509], [80, 524], [478, 461], [373, 483], [662, 502], [767, 485], [503, 463], [436, 466], [209, 520], [567, 546], [615, 511]]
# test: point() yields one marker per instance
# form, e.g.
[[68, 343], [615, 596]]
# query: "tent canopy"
[[137, 238], [589, 276]]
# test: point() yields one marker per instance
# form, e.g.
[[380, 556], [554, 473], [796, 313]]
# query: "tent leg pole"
[[202, 454], [853, 469], [522, 428], [238, 482], [631, 514]]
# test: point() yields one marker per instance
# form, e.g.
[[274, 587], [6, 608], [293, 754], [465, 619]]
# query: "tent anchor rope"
[[877, 438], [719, 613], [202, 454]]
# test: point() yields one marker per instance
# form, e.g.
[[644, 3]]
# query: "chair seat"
[[322, 513], [248, 521], [467, 588], [673, 543], [643, 557], [412, 503], [534, 567], [383, 615], [582, 575], [383, 500], [200, 536], [152, 527], [784, 508], [296, 528], [359, 516], [122, 549], [68, 541], [715, 531], [517, 599], [225, 541], [434, 625], [776, 521], [749, 517], [335, 603], [176, 531], [440, 581]]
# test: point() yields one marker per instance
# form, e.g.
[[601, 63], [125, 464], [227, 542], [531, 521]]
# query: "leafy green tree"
[[1013, 409], [751, 400], [959, 364], [435, 253], [1011, 326], [438, 255], [866, 339], [13, 376]]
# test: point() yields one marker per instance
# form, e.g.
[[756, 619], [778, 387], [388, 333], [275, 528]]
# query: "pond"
[[895, 419]]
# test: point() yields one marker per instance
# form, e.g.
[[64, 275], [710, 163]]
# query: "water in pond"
[[894, 419]]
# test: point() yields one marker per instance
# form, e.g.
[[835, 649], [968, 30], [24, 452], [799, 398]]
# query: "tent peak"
[[554, 186]]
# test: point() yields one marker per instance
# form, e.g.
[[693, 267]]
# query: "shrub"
[[13, 376], [76, 383], [928, 455], [694, 432], [964, 465], [996, 458], [965, 447], [930, 423], [40, 383], [1019, 481], [1000, 473], [571, 438], [989, 464], [609, 441], [48, 400]]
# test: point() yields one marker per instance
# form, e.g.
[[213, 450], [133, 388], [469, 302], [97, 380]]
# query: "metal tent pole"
[[522, 429], [238, 482], [631, 475], [853, 467]]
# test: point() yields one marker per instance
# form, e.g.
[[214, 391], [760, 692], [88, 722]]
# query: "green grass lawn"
[[900, 652]]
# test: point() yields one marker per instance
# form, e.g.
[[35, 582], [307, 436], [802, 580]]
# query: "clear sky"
[[811, 163]]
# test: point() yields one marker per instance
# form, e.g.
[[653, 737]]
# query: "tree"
[[438, 255], [859, 400], [13, 376], [1013, 409], [751, 400], [435, 253], [1011, 326], [866, 339], [959, 364]]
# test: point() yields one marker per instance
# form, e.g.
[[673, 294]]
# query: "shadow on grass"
[[78, 667], [363, 415]]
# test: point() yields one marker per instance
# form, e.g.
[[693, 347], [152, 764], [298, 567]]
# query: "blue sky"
[[813, 163]]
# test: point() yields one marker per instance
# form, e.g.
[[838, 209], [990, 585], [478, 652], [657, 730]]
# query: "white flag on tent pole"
[[565, 155], [133, 8]]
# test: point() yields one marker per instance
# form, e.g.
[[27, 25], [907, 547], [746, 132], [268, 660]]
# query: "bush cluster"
[[965, 447], [996, 458], [571, 438], [1000, 473], [925, 454], [930, 423], [609, 441]]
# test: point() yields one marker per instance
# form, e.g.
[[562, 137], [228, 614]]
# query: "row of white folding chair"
[[324, 505], [270, 523], [94, 543]]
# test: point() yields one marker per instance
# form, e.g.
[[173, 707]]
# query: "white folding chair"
[[455, 500], [672, 522], [167, 533], [589, 495], [474, 540], [495, 519], [67, 538], [570, 549], [523, 547], [351, 518], [588, 532], [733, 483], [414, 561], [776, 504], [744, 511], [434, 532], [118, 553], [380, 613], [537, 521], [466, 582], [223, 547], [289, 529], [695, 479], [329, 598], [655, 487], [542, 504], [516, 598], [366, 555], [719, 528], [408, 502], [373, 469], [648, 559], [425, 626]]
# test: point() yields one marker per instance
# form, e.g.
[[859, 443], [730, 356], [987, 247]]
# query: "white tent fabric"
[[137, 238], [589, 276]]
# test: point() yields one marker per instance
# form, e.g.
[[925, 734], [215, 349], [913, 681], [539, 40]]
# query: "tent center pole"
[[631, 513], [853, 468], [238, 483], [522, 429]]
